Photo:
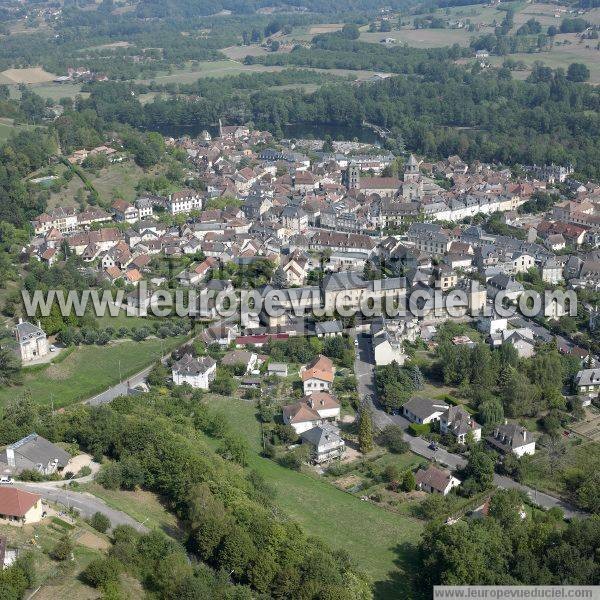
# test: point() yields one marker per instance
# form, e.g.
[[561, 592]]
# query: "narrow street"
[[365, 374]]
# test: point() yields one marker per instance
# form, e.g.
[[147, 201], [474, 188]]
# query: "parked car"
[[6, 480], [433, 446]]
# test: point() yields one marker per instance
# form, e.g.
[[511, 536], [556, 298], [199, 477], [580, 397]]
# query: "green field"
[[381, 542], [87, 371], [218, 68], [561, 56], [8, 128], [422, 38], [116, 181]]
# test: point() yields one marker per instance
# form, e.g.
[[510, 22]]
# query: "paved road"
[[87, 504], [121, 388], [365, 374]]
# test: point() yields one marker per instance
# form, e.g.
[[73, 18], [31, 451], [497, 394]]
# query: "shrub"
[[392, 437], [110, 476], [63, 548], [418, 429], [84, 471], [140, 334], [100, 522], [101, 571], [30, 475]]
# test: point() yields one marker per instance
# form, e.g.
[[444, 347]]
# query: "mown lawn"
[[381, 543], [87, 371]]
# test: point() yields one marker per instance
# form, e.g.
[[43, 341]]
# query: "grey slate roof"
[[325, 327], [188, 365], [322, 434], [424, 407], [33, 450]]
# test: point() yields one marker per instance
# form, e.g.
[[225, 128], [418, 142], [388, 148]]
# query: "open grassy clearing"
[[543, 13], [9, 128], [118, 181], [87, 371], [239, 52], [562, 56], [325, 28], [145, 507], [115, 181], [548, 475], [218, 68], [382, 543]]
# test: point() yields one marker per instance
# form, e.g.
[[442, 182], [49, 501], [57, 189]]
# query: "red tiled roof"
[[15, 502]]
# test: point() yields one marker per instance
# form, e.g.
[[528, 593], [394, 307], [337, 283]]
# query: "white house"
[[325, 441], [311, 411], [32, 342], [588, 381], [198, 372], [423, 410], [184, 202], [436, 481], [512, 437], [318, 375], [459, 423]]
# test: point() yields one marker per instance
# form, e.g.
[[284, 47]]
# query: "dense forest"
[[505, 549]]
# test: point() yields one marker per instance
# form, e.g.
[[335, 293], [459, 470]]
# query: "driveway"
[[365, 375], [85, 503]]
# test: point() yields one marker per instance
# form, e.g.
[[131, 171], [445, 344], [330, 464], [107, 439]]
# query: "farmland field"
[[30, 75]]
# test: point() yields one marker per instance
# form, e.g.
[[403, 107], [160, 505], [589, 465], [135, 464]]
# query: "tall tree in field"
[[365, 430], [10, 369]]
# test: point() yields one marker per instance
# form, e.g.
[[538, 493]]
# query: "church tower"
[[411, 170], [351, 177]]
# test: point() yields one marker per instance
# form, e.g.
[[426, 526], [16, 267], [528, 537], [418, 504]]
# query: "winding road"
[[365, 374]]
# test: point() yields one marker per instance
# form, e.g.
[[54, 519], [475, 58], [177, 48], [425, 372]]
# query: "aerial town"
[[299, 301]]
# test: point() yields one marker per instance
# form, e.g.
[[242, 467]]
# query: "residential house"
[[241, 359], [329, 328], [184, 202], [423, 410], [125, 212], [434, 480], [512, 437], [34, 453], [587, 382], [505, 285], [459, 423], [388, 337], [318, 375], [325, 441], [32, 342], [19, 507], [312, 410], [198, 372]]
